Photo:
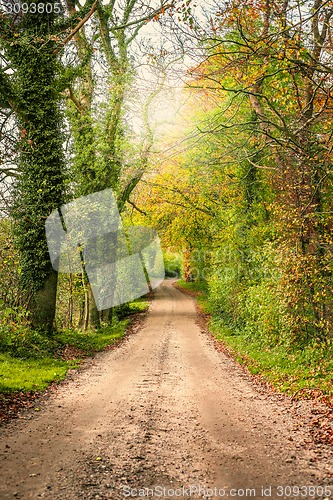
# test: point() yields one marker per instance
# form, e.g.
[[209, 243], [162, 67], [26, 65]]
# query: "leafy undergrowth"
[[299, 371], [31, 361]]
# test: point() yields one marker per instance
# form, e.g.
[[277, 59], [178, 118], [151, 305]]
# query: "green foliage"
[[19, 340], [30, 361], [263, 313], [200, 287], [129, 308], [290, 369], [40, 186], [90, 342], [173, 263], [24, 343], [83, 169], [9, 270]]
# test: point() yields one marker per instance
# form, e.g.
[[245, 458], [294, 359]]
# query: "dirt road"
[[164, 411]]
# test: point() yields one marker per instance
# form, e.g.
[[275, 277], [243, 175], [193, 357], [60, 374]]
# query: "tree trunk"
[[93, 315], [39, 189], [43, 303]]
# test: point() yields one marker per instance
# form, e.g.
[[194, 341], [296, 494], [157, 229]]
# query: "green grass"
[[297, 370], [31, 375], [30, 361], [302, 370], [199, 289], [91, 342], [195, 286]]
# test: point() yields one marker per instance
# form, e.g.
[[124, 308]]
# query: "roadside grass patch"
[[196, 286], [31, 375], [94, 341], [197, 289], [302, 370]]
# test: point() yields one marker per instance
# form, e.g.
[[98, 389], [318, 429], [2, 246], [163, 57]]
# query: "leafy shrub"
[[10, 294], [264, 314], [225, 296], [24, 343]]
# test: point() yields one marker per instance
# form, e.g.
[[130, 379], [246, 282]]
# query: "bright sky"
[[167, 104]]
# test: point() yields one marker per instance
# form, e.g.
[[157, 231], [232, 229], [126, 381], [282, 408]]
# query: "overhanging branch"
[[77, 28]]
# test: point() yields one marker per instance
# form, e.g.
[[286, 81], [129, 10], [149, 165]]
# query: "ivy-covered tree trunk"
[[39, 189]]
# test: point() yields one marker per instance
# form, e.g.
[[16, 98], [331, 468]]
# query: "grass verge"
[[299, 371], [31, 374]]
